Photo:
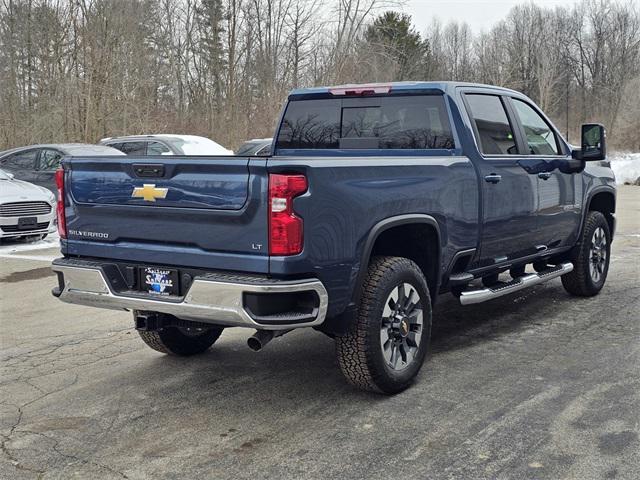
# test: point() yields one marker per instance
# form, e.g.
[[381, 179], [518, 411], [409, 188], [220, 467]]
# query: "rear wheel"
[[590, 258], [180, 341], [386, 347]]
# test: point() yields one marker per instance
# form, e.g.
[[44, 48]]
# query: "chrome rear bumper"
[[218, 301]]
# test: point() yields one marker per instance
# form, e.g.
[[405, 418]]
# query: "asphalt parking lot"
[[535, 385]]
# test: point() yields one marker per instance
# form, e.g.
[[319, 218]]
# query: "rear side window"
[[395, 122], [492, 124], [21, 160], [117, 146]]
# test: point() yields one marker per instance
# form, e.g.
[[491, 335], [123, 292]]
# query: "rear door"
[[509, 192], [558, 211], [185, 211]]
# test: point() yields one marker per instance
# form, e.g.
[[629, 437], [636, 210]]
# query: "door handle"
[[545, 175], [493, 178]]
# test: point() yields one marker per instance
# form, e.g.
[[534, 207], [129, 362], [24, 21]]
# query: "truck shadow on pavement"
[[456, 326], [303, 362]]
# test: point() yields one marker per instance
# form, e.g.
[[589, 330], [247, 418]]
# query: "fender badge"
[[149, 192]]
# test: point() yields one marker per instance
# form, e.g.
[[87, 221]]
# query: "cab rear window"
[[394, 122]]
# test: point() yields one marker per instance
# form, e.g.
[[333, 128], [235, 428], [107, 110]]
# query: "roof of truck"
[[442, 86]]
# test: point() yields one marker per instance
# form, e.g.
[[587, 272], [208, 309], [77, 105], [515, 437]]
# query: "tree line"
[[80, 70]]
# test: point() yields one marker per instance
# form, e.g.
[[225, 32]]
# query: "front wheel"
[[590, 258], [385, 348]]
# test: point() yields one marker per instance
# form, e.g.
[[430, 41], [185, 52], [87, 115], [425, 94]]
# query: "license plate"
[[27, 223], [159, 281]]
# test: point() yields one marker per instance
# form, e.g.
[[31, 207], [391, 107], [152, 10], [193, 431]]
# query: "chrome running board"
[[478, 296]]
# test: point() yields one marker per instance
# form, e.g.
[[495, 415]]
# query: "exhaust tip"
[[254, 344], [259, 340]]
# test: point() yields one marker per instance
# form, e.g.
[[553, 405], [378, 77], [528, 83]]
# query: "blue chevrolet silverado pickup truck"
[[377, 198]]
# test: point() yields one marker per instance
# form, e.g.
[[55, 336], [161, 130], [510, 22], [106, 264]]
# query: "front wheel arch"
[[602, 200]]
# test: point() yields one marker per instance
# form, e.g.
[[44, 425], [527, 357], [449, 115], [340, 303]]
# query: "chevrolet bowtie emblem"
[[149, 192]]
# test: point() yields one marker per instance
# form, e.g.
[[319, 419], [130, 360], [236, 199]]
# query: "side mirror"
[[594, 145]]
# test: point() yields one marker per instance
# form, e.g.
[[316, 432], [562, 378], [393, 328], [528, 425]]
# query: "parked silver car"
[[166, 144], [38, 163], [26, 210]]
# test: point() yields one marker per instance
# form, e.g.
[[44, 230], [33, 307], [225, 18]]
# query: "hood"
[[21, 191]]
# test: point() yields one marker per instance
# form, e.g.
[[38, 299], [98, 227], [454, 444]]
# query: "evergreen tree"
[[392, 37]]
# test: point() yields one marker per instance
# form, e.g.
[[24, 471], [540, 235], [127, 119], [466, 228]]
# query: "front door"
[[558, 217], [48, 162], [509, 192]]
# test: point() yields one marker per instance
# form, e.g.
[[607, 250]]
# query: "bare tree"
[[78, 70]]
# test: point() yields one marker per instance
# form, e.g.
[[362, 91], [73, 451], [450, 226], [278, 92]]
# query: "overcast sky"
[[479, 14]]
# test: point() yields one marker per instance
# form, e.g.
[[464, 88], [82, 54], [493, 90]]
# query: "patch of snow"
[[625, 165], [10, 246]]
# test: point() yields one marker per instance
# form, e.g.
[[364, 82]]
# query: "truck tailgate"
[[190, 211]]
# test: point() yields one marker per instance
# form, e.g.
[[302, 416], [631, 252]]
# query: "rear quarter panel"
[[348, 196]]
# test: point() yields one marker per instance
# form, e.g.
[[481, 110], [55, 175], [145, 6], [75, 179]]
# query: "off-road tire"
[[359, 352], [173, 341], [579, 282]]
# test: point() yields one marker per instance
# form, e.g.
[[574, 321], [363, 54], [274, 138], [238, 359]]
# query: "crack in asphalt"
[[28, 359]]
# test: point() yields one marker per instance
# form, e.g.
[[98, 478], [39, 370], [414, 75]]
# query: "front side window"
[[541, 139], [395, 122], [494, 131], [157, 148], [49, 160]]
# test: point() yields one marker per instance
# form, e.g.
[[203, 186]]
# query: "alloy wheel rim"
[[598, 255], [401, 327]]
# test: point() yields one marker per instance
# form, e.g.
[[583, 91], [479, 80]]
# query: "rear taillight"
[[285, 228], [62, 222]]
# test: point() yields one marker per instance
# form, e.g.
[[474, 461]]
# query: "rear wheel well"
[[605, 203], [416, 241]]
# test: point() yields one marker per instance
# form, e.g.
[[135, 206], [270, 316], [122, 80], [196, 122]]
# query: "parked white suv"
[[26, 210]]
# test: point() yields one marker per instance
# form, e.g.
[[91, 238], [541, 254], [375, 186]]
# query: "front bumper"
[[217, 299], [9, 226]]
